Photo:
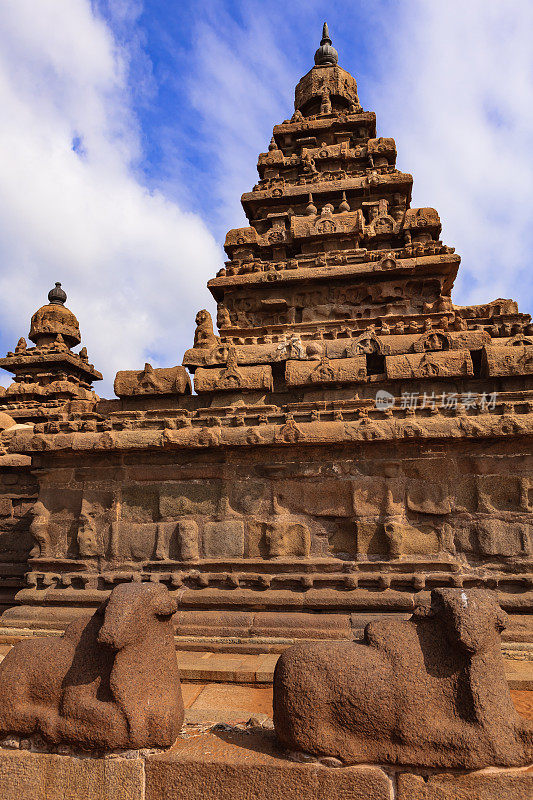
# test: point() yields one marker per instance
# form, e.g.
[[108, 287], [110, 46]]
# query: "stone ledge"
[[484, 785], [238, 764], [42, 776], [241, 764]]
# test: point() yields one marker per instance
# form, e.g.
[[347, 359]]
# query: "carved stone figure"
[[150, 381], [223, 317], [40, 531], [325, 104], [109, 682], [88, 544], [393, 528], [287, 538], [428, 692], [308, 163], [188, 540], [204, 336]]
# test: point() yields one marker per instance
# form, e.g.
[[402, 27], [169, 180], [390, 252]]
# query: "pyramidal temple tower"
[[338, 288], [354, 439]]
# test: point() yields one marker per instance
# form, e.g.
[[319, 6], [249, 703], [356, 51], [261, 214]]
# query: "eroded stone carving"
[[109, 682], [89, 545], [428, 692], [287, 539], [204, 336], [40, 531], [150, 381]]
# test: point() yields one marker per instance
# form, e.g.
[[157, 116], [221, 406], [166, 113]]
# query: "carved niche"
[[150, 381], [339, 370]]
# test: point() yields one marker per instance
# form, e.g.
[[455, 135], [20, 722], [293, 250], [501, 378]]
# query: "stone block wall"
[[345, 529]]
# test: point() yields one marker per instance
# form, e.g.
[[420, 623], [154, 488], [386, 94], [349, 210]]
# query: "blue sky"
[[131, 128]]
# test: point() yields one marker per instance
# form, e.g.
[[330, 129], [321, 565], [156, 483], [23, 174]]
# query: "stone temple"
[[354, 439]]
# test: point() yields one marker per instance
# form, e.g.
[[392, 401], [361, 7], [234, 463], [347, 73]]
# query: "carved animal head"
[[203, 317], [132, 610], [472, 618]]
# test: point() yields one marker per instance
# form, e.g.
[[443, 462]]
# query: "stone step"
[[235, 668], [239, 763], [213, 667]]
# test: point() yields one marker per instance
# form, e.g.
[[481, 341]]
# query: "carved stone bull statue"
[[109, 682], [427, 692]]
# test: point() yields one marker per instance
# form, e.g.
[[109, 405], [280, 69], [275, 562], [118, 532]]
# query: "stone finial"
[[57, 295], [344, 204], [326, 54], [310, 209]]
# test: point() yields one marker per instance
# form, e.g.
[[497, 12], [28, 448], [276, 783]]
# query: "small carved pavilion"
[[354, 440], [49, 374]]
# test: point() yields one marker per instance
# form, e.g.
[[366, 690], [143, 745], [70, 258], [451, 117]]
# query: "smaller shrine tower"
[[50, 374]]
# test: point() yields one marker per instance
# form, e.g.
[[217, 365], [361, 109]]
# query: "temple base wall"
[[273, 543], [238, 764]]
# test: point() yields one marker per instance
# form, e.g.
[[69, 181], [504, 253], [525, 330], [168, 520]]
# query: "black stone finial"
[[57, 295], [326, 54]]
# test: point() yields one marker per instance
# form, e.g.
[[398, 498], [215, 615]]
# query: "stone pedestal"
[[238, 764]]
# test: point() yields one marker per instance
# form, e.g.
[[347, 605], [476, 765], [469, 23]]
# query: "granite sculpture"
[[109, 682], [430, 691]]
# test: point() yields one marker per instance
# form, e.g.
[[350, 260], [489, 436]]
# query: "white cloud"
[[241, 84], [455, 88], [452, 82], [133, 263]]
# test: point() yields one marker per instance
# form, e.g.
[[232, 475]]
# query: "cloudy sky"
[[130, 128]]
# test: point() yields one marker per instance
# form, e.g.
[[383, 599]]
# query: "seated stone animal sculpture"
[[109, 682], [429, 692]]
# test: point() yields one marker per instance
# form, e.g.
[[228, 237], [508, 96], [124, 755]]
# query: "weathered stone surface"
[[248, 765], [150, 381], [236, 764], [325, 498], [188, 540], [224, 539], [342, 370], [497, 785], [428, 497], [517, 360], [429, 365], [231, 379], [109, 682], [6, 421], [428, 692], [287, 539], [192, 497], [404, 538], [38, 776]]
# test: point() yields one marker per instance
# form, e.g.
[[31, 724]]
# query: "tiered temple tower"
[[355, 438], [337, 282]]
